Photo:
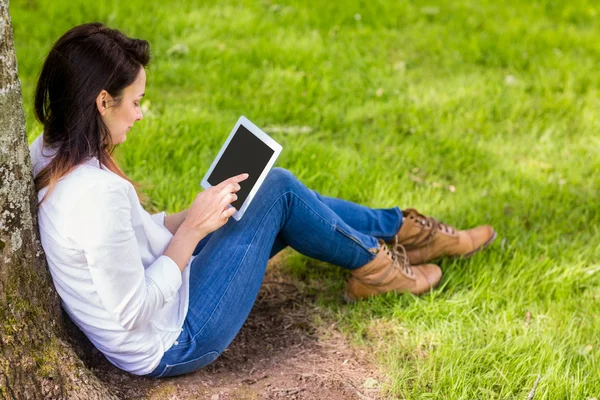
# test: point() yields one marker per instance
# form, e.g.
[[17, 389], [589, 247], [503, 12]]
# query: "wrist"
[[191, 233]]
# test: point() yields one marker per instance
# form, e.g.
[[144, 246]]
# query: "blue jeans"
[[230, 264]]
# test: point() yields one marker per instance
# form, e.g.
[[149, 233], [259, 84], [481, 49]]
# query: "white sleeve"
[[130, 294], [159, 218]]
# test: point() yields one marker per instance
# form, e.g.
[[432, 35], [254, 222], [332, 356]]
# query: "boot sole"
[[350, 300]]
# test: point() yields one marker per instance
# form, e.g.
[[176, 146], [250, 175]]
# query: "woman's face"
[[120, 118]]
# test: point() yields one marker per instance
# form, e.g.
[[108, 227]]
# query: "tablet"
[[246, 150]]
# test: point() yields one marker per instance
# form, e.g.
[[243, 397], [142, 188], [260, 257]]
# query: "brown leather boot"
[[425, 238], [391, 271]]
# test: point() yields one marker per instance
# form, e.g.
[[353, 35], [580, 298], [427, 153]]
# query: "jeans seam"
[[352, 238], [401, 218], [168, 366]]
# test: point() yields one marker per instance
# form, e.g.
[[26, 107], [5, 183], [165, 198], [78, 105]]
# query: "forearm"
[[174, 221], [182, 245]]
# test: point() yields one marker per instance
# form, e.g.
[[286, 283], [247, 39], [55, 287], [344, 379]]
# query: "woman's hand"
[[208, 212], [210, 209]]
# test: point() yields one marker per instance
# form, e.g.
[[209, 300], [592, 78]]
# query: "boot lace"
[[429, 228], [399, 257]]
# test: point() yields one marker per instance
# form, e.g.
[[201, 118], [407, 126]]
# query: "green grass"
[[398, 100]]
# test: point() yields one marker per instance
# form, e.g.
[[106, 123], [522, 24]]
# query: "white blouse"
[[105, 255]]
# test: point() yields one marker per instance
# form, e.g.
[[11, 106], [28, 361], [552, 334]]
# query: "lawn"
[[471, 111]]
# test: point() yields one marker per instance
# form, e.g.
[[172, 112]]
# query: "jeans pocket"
[[189, 366]]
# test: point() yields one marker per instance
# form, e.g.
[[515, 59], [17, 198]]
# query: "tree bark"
[[36, 360]]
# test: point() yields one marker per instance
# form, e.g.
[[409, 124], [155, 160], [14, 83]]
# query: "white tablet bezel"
[[266, 139]]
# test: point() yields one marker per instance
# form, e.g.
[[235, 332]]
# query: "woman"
[[163, 295]]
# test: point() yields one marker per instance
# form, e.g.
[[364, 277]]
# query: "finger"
[[228, 199], [234, 179], [228, 213], [229, 189]]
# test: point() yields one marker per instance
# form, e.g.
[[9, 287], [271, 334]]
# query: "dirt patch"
[[280, 353]]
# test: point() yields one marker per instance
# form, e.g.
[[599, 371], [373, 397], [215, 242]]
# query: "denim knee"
[[280, 180]]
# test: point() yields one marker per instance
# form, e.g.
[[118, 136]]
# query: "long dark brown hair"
[[87, 59]]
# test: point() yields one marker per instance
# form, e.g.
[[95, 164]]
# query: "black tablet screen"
[[245, 154]]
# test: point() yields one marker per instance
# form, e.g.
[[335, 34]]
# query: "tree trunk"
[[35, 359]]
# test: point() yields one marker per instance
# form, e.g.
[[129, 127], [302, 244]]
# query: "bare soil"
[[280, 353]]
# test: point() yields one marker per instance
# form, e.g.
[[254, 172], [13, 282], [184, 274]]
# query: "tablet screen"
[[245, 154]]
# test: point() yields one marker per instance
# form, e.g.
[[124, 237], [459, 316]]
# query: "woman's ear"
[[101, 101]]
